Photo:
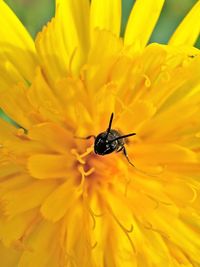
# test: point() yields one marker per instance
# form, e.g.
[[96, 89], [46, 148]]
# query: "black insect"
[[110, 141]]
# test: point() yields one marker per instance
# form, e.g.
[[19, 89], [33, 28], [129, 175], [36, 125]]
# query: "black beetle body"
[[110, 141], [104, 143]]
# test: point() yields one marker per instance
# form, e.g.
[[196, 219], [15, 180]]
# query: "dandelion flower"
[[61, 205]]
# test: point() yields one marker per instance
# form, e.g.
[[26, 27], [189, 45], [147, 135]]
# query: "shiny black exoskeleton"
[[105, 143], [110, 141]]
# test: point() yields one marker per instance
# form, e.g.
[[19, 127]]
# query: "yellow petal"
[[43, 247], [16, 47], [52, 136], [145, 112], [7, 131], [106, 15], [60, 201], [10, 74], [16, 105], [142, 20], [20, 200], [43, 166], [180, 193], [67, 35], [184, 237], [189, 29], [13, 229], [9, 257], [42, 98], [100, 64], [164, 153]]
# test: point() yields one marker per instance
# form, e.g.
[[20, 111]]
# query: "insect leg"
[[121, 148], [87, 137], [126, 155], [138, 170]]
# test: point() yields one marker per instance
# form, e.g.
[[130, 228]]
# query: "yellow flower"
[[61, 204]]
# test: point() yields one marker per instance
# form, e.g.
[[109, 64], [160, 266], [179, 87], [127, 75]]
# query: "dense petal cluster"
[[61, 205]]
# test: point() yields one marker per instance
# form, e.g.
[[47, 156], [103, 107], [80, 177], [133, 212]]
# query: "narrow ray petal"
[[189, 29], [106, 15], [9, 257], [142, 20], [44, 239], [19, 200], [54, 137], [49, 166], [17, 54], [8, 131], [13, 229], [60, 201], [67, 35], [15, 99]]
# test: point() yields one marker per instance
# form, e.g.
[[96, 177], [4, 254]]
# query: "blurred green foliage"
[[33, 13]]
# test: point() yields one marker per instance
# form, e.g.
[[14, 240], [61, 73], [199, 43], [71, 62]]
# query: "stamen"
[[91, 246], [80, 156], [93, 218], [194, 190], [86, 173], [126, 231], [150, 227], [82, 72], [147, 80], [160, 171], [81, 170], [88, 151], [94, 246], [20, 132], [158, 202], [75, 153]]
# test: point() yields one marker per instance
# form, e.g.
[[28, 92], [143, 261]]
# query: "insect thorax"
[[103, 144]]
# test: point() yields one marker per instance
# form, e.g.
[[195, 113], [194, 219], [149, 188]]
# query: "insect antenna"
[[121, 137], [110, 124]]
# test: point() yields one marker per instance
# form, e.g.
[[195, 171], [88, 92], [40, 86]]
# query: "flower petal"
[[106, 15], [17, 54], [16, 201], [7, 131], [142, 20], [184, 237], [43, 166], [43, 247], [52, 136], [63, 198], [67, 35], [164, 153], [16, 105], [100, 64], [9, 257], [13, 229], [189, 29]]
